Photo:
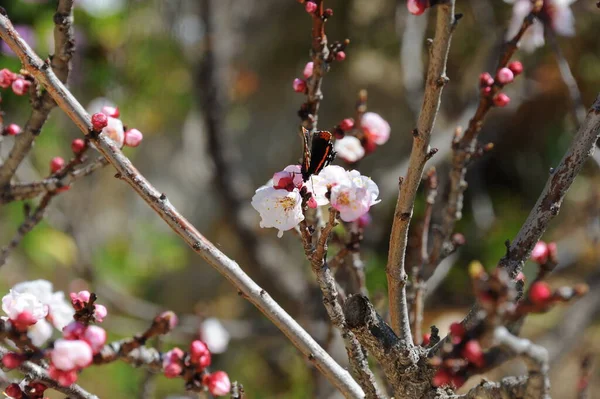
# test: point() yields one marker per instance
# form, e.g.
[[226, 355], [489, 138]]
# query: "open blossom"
[[375, 128], [278, 208], [60, 312], [71, 355], [15, 303], [349, 149], [354, 197], [556, 13], [115, 131]]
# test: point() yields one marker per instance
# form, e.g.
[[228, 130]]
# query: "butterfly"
[[318, 154]]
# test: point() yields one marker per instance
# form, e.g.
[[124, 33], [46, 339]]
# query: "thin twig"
[[435, 81], [464, 148], [161, 205], [64, 43], [30, 222]]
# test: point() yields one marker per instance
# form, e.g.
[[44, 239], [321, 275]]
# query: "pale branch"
[[435, 81], [42, 104], [329, 288], [557, 185], [536, 357], [464, 148], [161, 205], [37, 373]]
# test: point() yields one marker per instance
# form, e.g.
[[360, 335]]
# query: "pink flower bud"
[[347, 124], [172, 363], [64, 378], [218, 383], [7, 78], [486, 91], [73, 330], [505, 76], [520, 277], [340, 56], [199, 354], [14, 391], [485, 79], [312, 203], [310, 7], [99, 121], [308, 69], [56, 164], [171, 317], [133, 138], [96, 337], [80, 299], [77, 146], [516, 67], [417, 7], [100, 312], [20, 86], [71, 354], [12, 129], [539, 293], [299, 85], [540, 253], [113, 112], [12, 360], [501, 100], [552, 252]]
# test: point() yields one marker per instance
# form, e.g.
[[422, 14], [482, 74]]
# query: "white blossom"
[[349, 149], [60, 311], [375, 127], [278, 208], [15, 303], [353, 198]]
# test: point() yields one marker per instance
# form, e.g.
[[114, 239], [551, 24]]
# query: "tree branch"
[[161, 205], [64, 43], [436, 79]]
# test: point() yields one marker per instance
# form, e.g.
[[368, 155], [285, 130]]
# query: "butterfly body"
[[318, 152]]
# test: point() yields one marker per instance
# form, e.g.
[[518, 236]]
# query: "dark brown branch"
[[30, 222], [43, 103], [161, 205], [436, 79]]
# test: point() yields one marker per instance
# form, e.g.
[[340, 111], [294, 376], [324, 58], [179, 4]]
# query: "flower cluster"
[[17, 82], [556, 14], [176, 363], [353, 144], [108, 123], [504, 76], [34, 308], [279, 203]]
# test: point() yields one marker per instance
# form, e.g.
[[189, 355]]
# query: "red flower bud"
[[473, 353], [77, 146], [299, 85], [12, 360], [539, 293], [516, 67], [485, 80], [442, 377], [417, 7], [14, 391], [501, 100], [340, 56], [12, 129], [56, 164], [99, 121], [505, 76], [310, 7], [540, 253], [347, 124], [426, 339]]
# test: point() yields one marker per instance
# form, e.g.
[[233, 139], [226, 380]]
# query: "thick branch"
[[64, 43], [436, 79], [161, 205]]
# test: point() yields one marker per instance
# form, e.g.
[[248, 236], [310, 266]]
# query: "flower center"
[[287, 203]]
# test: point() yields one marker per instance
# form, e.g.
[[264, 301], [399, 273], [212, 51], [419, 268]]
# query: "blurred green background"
[[147, 57]]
